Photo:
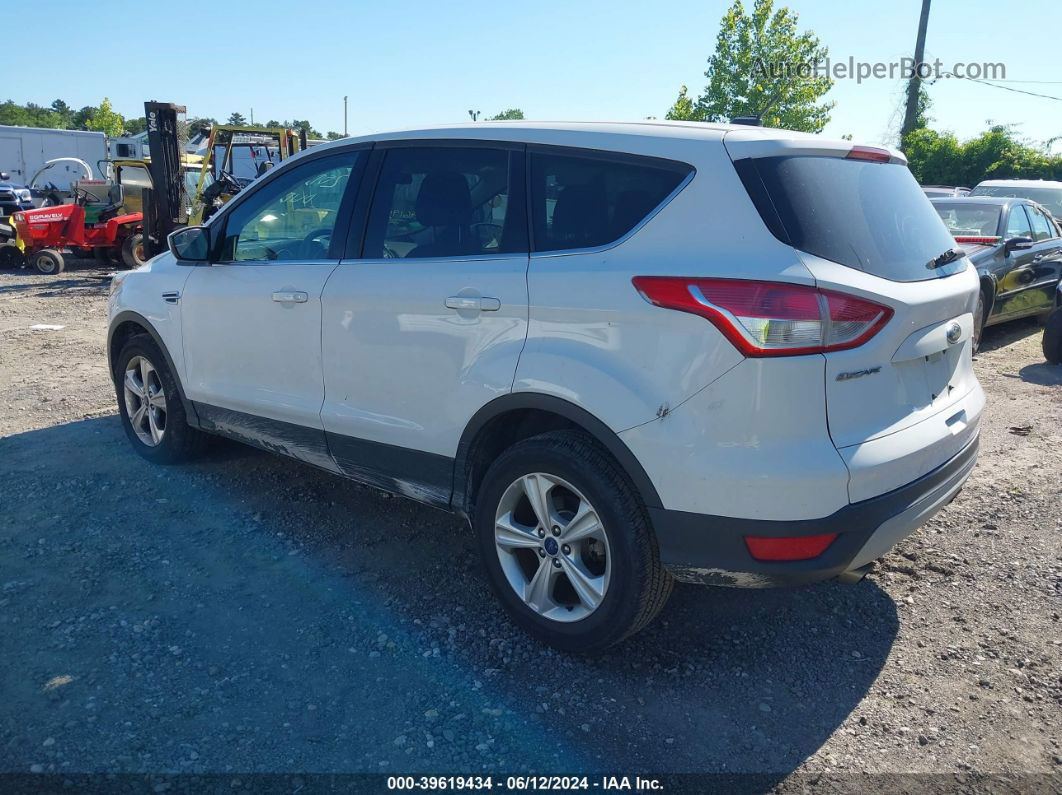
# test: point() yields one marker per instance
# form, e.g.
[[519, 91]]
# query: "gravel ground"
[[252, 614]]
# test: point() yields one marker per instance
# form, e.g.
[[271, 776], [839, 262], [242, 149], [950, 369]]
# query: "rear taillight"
[[770, 318], [789, 547]]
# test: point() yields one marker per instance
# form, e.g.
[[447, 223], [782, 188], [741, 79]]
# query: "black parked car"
[[1016, 247], [13, 197]]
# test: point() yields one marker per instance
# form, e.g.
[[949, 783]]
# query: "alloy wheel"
[[552, 547], [145, 401]]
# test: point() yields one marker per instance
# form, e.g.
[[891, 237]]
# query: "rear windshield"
[[1051, 198], [866, 215], [972, 220]]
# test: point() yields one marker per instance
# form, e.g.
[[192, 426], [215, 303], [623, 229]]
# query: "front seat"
[[444, 204]]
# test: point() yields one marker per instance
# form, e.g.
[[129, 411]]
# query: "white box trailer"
[[24, 150]]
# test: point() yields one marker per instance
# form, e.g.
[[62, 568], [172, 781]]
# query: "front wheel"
[[1052, 343], [48, 261], [150, 405], [567, 545]]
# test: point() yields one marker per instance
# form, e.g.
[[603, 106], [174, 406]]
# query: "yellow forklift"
[[234, 157]]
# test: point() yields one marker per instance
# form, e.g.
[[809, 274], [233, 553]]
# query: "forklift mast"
[[169, 203]]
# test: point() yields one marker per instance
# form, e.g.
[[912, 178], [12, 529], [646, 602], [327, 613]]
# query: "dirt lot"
[[253, 614]]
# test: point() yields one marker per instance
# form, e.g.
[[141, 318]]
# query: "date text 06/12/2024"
[[524, 783]]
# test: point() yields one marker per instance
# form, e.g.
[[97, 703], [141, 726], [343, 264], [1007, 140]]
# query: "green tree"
[[762, 66], [303, 124], [512, 114], [12, 113], [64, 112], [81, 118], [684, 108], [939, 158], [105, 120], [334, 136], [237, 119], [135, 126]]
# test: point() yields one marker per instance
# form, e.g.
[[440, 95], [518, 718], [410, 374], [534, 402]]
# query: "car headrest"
[[444, 200], [580, 216]]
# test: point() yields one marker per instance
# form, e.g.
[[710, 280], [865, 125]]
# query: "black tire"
[[180, 442], [1052, 342], [11, 256], [980, 316], [48, 261], [639, 586], [133, 251]]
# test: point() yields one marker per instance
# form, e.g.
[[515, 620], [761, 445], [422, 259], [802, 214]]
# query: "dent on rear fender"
[[752, 445], [621, 389]]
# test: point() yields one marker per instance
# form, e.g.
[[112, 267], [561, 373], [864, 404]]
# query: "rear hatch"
[[864, 227]]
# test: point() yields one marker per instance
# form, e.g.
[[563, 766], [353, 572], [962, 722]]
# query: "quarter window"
[[581, 201], [447, 201], [1018, 223], [293, 217], [1041, 226]]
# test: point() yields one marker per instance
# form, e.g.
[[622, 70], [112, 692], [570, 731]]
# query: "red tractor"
[[88, 224]]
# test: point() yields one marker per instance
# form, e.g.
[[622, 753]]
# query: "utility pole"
[[344, 116], [252, 117], [911, 112]]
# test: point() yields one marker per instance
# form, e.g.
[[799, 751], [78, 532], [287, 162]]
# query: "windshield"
[[1051, 198], [866, 215], [971, 220]]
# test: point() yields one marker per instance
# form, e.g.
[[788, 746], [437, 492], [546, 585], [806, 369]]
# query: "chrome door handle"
[[290, 297], [473, 303]]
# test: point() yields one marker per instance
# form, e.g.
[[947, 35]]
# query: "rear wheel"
[[48, 261], [1052, 343], [150, 405], [567, 545], [133, 251]]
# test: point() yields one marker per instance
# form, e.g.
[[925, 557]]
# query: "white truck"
[[25, 150]]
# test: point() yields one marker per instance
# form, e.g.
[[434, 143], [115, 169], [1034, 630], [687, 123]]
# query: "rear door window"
[[587, 198], [870, 216]]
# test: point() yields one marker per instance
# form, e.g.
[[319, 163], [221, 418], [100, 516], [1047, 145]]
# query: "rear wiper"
[[946, 258]]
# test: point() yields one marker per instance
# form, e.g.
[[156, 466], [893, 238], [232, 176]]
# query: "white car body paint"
[[375, 354]]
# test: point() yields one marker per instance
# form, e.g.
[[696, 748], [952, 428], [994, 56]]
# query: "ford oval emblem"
[[954, 333]]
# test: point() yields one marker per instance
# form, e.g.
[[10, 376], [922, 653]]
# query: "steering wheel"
[[312, 240]]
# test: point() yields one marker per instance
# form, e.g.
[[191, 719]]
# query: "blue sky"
[[416, 63]]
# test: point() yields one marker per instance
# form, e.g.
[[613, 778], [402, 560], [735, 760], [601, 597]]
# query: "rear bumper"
[[711, 549]]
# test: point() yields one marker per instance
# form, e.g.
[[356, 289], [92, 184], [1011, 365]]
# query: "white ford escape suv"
[[627, 353]]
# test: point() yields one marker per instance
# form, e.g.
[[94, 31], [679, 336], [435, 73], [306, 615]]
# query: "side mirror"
[[191, 244], [1018, 244]]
